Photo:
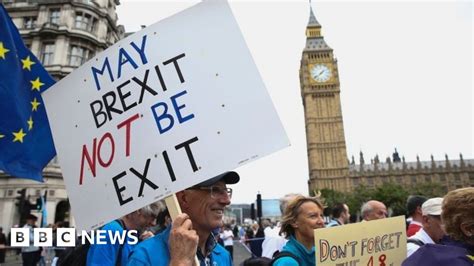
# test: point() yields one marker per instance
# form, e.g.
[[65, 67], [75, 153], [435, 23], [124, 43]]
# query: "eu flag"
[[26, 144]]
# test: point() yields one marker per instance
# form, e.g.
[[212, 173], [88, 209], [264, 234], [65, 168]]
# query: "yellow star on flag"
[[2, 136], [36, 84], [30, 123], [19, 136], [27, 63], [3, 50], [35, 105]]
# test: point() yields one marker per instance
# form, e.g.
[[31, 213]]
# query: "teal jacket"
[[306, 257], [100, 255], [154, 251]]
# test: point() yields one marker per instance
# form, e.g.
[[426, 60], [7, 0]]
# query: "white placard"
[[164, 109]]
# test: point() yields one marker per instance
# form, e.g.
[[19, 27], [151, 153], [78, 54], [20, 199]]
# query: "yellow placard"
[[375, 243]]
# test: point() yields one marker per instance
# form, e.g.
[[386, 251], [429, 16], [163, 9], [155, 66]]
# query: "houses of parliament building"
[[327, 156]]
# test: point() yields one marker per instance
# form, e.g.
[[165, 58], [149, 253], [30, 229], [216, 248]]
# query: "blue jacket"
[[105, 255], [334, 222], [154, 251], [306, 257]]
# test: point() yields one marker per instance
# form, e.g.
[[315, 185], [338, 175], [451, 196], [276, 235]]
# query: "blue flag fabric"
[[44, 212], [26, 144]]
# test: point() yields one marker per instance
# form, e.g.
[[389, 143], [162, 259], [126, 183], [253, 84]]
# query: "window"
[[370, 181], [51, 193], [399, 179], [413, 179], [47, 54], [54, 16], [457, 178], [79, 55], [84, 21], [9, 192], [427, 178], [442, 178], [355, 182], [29, 22]]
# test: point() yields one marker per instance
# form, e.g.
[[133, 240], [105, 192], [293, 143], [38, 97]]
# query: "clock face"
[[320, 73]]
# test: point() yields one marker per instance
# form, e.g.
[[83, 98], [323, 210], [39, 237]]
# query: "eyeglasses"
[[216, 192]]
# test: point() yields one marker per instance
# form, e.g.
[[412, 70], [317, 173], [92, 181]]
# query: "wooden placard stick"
[[174, 209]]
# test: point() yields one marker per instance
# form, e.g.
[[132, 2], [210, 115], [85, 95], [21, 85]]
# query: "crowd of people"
[[440, 231], [31, 255]]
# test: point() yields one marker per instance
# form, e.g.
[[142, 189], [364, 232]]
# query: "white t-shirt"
[[273, 242], [228, 237]]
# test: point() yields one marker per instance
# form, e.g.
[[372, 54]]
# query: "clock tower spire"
[[320, 92], [313, 28]]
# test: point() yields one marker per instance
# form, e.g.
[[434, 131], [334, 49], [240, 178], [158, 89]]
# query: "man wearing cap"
[[31, 254], [190, 234], [432, 231]]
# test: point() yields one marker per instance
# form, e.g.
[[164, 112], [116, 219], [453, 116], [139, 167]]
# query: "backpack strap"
[[415, 241], [281, 254]]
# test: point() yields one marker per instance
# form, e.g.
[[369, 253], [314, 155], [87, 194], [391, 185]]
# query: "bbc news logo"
[[66, 237]]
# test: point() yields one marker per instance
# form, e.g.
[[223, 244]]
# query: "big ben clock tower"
[[320, 92]]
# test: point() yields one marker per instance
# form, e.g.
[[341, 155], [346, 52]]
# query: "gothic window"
[[355, 182], [399, 179], [47, 54], [427, 178], [471, 178], [457, 178], [442, 178], [413, 179], [370, 181]]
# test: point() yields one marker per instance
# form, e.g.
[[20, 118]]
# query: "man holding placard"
[[203, 209]]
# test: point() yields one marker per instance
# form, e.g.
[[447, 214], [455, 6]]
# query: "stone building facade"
[[63, 34], [326, 144]]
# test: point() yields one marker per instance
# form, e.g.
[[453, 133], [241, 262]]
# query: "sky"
[[405, 69]]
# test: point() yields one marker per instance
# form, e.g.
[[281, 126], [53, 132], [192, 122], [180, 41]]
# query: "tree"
[[429, 190], [355, 199], [331, 197], [394, 196]]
